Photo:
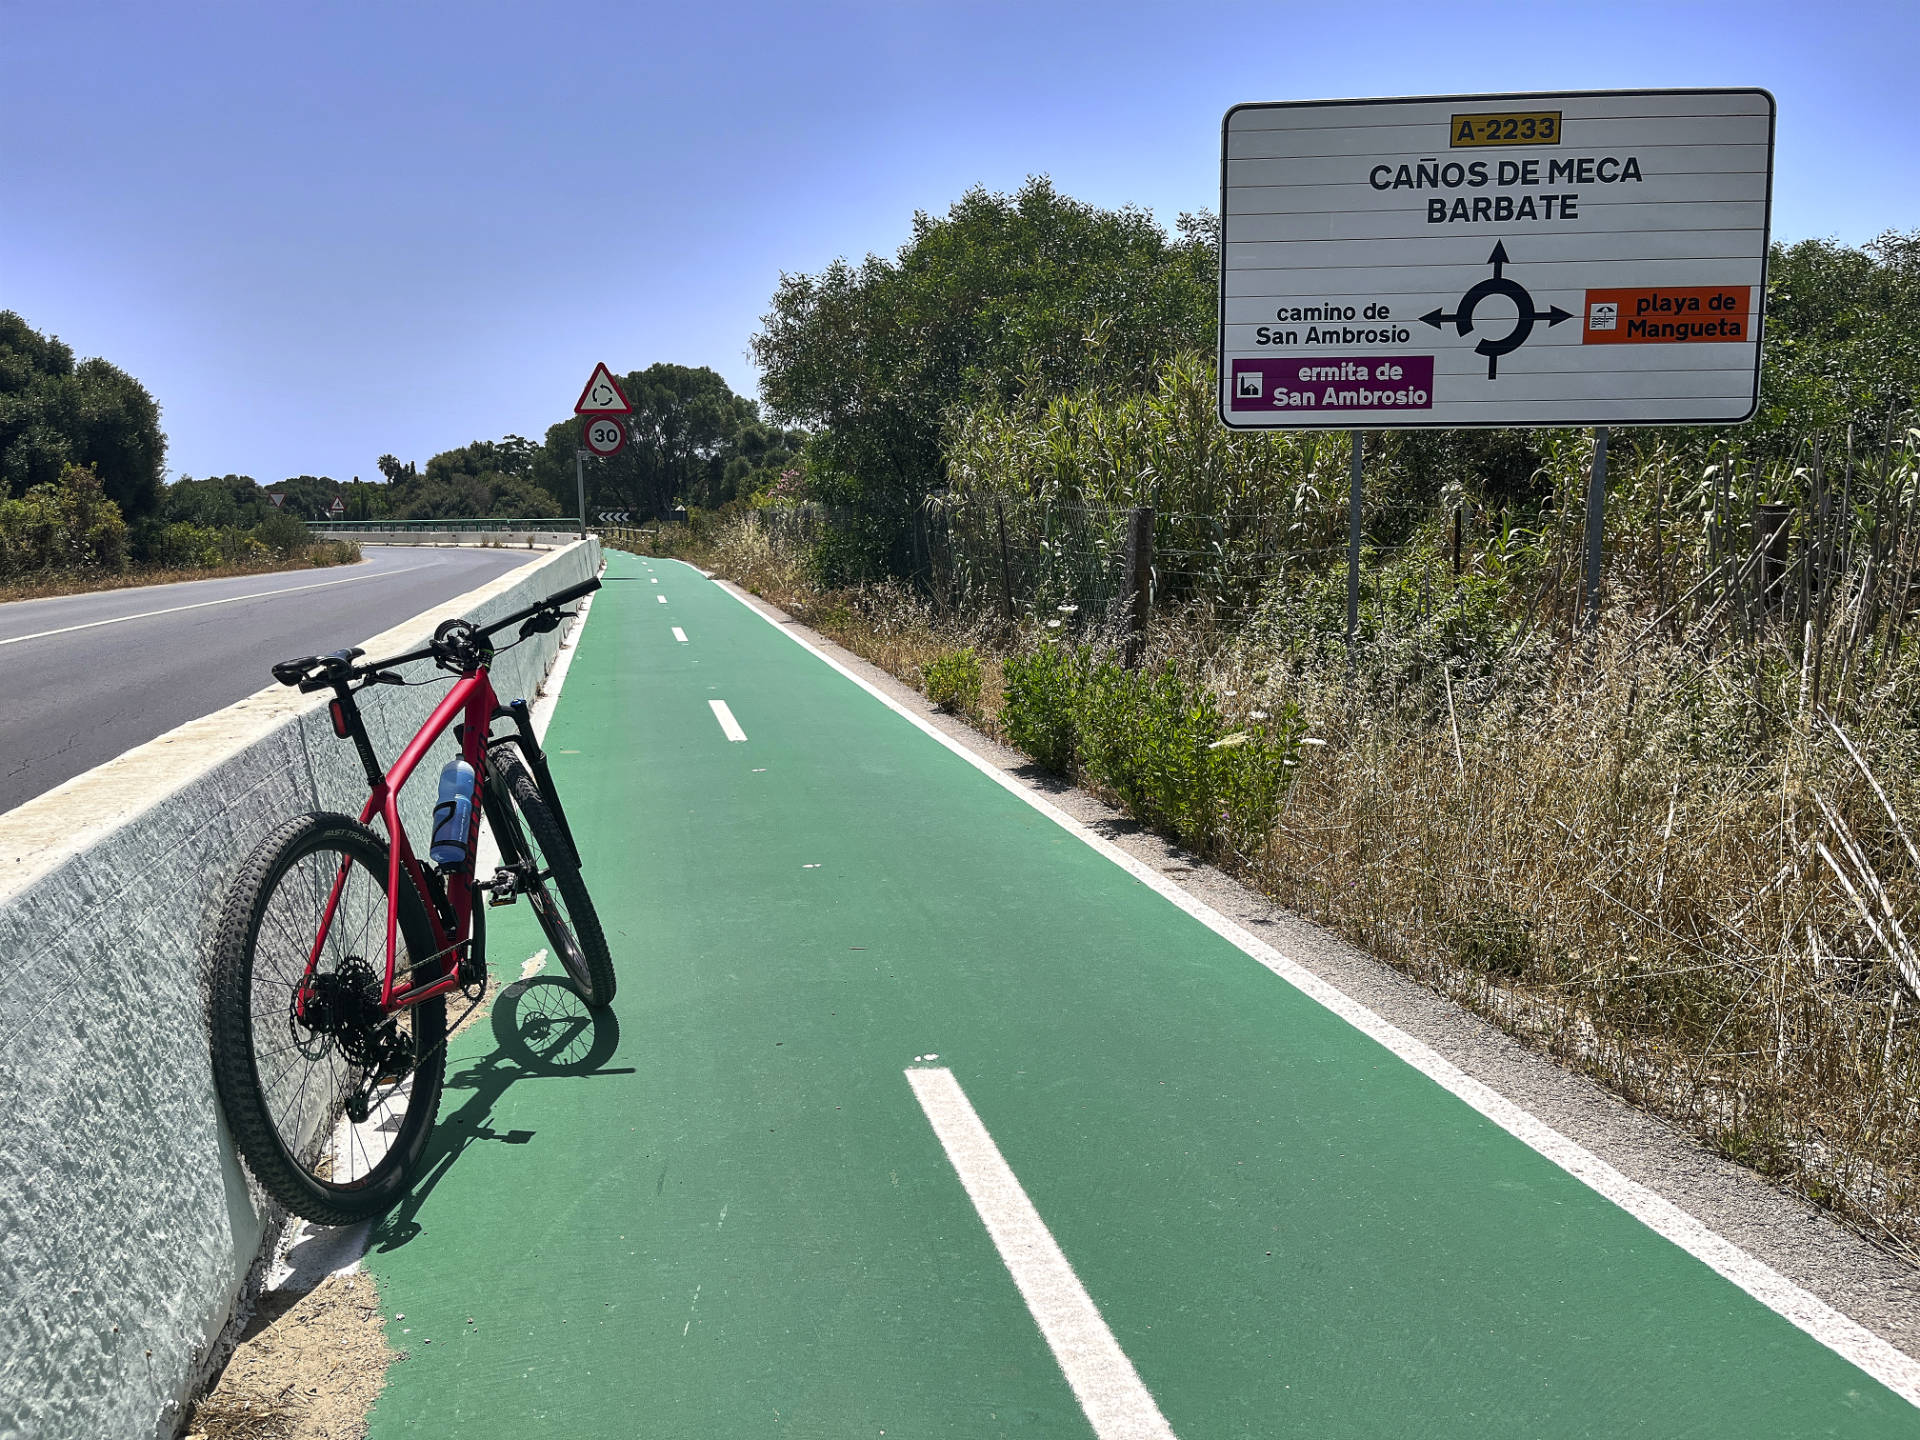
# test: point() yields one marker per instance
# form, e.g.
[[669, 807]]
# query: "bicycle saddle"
[[292, 672]]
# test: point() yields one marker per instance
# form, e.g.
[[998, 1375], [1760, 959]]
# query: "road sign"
[[616, 517], [338, 507], [604, 435], [277, 497], [1583, 258], [603, 396]]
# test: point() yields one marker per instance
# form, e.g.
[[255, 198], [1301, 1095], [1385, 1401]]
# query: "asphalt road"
[[145, 660]]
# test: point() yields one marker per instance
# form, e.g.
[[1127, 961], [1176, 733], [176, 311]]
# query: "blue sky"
[[323, 232]]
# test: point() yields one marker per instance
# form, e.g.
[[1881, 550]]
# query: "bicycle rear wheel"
[[329, 1098], [550, 875]]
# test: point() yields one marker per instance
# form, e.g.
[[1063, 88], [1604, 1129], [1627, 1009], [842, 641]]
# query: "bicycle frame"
[[473, 703]]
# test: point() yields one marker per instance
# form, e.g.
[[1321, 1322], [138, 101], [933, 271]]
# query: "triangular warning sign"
[[603, 395]]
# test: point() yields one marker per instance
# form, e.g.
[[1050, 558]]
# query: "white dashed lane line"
[[661, 598], [1104, 1381], [728, 725], [679, 634]]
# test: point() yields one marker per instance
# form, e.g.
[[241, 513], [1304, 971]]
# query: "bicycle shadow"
[[542, 1030]]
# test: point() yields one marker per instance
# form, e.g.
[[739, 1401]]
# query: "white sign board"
[[1591, 258]]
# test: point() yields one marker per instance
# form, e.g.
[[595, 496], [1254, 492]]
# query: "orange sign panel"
[[1669, 315]]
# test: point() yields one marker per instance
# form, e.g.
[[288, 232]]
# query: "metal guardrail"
[[570, 524]]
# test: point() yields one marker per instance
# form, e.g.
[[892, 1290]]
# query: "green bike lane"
[[725, 1211]]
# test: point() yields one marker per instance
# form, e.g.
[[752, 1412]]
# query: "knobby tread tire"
[[515, 787], [230, 1028]]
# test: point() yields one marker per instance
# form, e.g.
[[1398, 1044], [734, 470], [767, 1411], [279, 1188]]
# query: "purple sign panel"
[[1347, 383]]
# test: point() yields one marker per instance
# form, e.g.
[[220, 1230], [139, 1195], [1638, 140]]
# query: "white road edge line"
[[728, 725], [679, 634], [1892, 1367], [203, 604], [1104, 1381]]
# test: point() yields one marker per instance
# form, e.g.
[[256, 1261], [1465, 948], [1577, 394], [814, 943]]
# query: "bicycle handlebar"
[[338, 668]]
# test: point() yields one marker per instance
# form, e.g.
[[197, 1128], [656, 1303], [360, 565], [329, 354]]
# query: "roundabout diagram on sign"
[[1526, 316]]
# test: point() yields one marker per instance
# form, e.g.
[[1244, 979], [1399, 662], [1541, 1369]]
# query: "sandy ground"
[[308, 1367]]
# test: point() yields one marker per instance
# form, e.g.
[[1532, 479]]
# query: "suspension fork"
[[522, 717]]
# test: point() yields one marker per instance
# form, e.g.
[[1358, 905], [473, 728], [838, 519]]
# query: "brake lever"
[[543, 622]]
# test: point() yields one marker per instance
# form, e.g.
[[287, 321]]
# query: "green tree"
[[364, 500], [218, 500], [1840, 338], [308, 497], [484, 479], [1031, 293], [55, 413]]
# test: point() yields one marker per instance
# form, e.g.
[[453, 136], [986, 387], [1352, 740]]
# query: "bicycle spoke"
[[306, 1080]]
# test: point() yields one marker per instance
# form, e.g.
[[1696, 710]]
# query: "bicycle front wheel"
[[531, 840], [330, 1098]]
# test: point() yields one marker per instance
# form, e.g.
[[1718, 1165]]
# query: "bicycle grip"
[[574, 592]]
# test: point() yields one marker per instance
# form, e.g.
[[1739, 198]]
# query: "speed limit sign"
[[604, 436]]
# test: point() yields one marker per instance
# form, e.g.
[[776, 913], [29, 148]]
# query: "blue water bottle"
[[453, 816]]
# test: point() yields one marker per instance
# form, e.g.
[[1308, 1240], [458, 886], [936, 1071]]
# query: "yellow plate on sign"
[[1530, 127]]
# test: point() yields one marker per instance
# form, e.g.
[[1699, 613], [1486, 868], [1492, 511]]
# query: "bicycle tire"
[[572, 925], [245, 1008]]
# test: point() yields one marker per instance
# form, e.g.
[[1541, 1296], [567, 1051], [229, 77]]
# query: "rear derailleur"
[[343, 1006]]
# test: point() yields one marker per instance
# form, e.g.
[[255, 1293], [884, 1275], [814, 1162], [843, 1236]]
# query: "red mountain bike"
[[336, 949]]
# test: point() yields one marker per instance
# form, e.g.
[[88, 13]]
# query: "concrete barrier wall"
[[127, 1227]]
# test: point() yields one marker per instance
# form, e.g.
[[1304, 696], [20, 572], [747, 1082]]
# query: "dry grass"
[[307, 1368], [82, 582], [1586, 870]]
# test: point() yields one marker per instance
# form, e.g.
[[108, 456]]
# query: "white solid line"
[[203, 604], [1892, 1367], [1103, 1379], [729, 725], [679, 634]]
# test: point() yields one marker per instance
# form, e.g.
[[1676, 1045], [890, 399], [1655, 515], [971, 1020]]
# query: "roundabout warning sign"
[[1555, 259]]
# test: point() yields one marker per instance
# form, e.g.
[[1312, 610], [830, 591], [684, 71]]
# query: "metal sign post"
[[580, 486], [600, 400], [1353, 543], [1596, 521]]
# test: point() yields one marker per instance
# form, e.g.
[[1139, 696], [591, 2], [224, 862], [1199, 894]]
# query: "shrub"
[[1155, 741], [339, 552], [1041, 694], [186, 546], [68, 524], [1162, 747], [282, 533], [953, 681]]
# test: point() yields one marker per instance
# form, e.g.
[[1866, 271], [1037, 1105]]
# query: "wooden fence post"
[[1139, 582]]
